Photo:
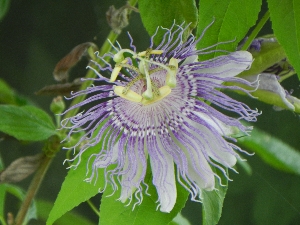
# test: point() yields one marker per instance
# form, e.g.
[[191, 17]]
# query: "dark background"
[[36, 34]]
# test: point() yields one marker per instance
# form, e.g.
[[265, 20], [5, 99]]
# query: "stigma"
[[144, 72]]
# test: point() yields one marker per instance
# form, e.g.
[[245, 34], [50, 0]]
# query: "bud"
[[266, 52], [57, 105]]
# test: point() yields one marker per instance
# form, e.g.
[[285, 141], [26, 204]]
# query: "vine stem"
[[33, 188], [106, 47], [53, 147], [256, 30]]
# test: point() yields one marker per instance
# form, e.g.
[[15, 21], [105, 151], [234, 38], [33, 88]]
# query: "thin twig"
[[256, 30]]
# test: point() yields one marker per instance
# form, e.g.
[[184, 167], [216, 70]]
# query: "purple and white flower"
[[162, 108]]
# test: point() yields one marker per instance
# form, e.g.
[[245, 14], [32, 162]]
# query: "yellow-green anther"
[[171, 75], [117, 70], [130, 95], [154, 52], [115, 73], [164, 91]]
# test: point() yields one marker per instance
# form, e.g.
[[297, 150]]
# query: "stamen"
[[117, 70], [154, 52], [132, 82], [130, 95], [164, 91], [155, 89], [148, 93], [155, 70], [152, 93], [118, 56], [171, 75]]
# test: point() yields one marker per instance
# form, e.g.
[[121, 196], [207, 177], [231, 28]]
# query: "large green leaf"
[[74, 189], [286, 25], [232, 20], [164, 13], [73, 218], [272, 150], [26, 123], [212, 201], [115, 212], [9, 96]]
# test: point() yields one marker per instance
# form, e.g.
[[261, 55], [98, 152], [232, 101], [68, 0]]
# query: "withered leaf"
[[117, 19], [60, 89], [61, 70], [20, 169]]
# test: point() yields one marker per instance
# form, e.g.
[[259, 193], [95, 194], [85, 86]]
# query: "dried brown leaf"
[[60, 89], [20, 169], [61, 70], [117, 19]]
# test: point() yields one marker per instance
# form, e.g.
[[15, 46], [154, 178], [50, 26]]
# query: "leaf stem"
[[33, 188], [256, 30], [93, 207]]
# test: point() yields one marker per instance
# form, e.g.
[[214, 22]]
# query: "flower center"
[[152, 93]]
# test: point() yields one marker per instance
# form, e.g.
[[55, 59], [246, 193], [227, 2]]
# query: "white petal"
[[219, 151], [132, 178], [213, 147], [109, 158], [190, 59], [270, 83], [206, 179], [162, 166], [221, 127], [199, 170], [241, 60]]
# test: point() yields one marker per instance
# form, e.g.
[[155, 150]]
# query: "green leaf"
[[4, 5], [164, 13], [20, 194], [9, 96], [273, 151], [73, 218], [232, 20], [74, 189], [286, 25], [26, 123], [212, 201], [115, 212], [6, 92]]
